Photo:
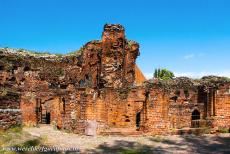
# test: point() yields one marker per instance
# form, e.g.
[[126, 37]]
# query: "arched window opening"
[[195, 123], [195, 115]]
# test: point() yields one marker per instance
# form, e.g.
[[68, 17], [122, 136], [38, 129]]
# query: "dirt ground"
[[142, 144]]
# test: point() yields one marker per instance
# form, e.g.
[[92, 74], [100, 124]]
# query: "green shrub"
[[29, 143], [223, 130], [136, 151], [16, 129]]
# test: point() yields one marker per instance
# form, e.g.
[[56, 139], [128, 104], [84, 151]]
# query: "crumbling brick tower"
[[118, 57], [72, 88]]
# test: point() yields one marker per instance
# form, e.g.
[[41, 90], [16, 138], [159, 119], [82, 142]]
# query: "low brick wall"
[[10, 113]]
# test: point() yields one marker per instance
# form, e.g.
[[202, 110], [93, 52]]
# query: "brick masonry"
[[100, 87]]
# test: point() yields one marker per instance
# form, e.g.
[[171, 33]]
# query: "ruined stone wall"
[[10, 113], [168, 110], [118, 58], [46, 79], [155, 112], [180, 110], [28, 107], [222, 107], [100, 85], [74, 115], [123, 105], [139, 76], [109, 108], [98, 64]]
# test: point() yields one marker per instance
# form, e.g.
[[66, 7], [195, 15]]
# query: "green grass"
[[16, 137], [223, 130], [157, 139], [135, 151], [8, 135], [29, 143]]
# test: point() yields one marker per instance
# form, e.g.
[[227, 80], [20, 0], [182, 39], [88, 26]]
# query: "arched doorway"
[[195, 115], [195, 119], [138, 120]]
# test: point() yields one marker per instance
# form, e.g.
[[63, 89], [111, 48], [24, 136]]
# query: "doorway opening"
[[195, 119], [195, 115], [138, 120], [46, 118]]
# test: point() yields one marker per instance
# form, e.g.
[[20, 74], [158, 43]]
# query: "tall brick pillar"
[[113, 54], [118, 57]]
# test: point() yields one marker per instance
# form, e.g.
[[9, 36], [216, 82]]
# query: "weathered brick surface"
[[221, 107], [10, 113], [101, 85]]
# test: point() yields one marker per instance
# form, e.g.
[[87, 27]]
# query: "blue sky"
[[189, 37]]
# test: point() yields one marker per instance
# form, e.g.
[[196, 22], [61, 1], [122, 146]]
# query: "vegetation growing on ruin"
[[8, 93], [76, 52], [223, 130], [58, 72], [163, 74], [123, 92], [44, 53], [187, 83], [131, 42]]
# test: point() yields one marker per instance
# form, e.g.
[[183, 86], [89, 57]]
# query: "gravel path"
[[149, 144]]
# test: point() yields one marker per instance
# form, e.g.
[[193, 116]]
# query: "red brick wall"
[[28, 107], [10, 113], [222, 107]]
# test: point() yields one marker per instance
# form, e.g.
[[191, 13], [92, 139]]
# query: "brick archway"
[[195, 115], [195, 119]]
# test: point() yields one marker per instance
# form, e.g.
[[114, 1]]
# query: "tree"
[[163, 74]]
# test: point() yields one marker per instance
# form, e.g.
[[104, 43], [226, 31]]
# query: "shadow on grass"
[[198, 144], [120, 146], [11, 142], [36, 143], [187, 144], [204, 144]]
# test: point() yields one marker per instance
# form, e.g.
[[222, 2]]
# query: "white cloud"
[[201, 74], [189, 56], [148, 75], [192, 56], [194, 74]]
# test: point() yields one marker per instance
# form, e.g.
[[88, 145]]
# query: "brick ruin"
[[100, 90]]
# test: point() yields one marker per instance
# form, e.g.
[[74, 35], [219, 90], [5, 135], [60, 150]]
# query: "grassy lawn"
[[47, 137], [17, 138]]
